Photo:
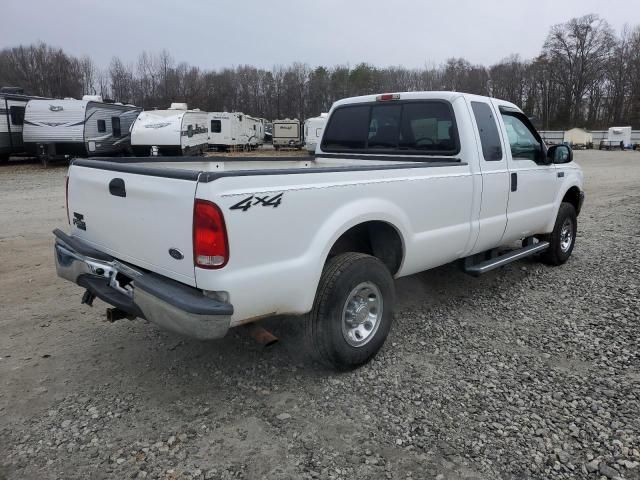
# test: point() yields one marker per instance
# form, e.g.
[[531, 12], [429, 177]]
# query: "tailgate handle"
[[116, 187]]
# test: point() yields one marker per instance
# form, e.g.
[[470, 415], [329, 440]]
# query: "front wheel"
[[563, 237], [352, 312]]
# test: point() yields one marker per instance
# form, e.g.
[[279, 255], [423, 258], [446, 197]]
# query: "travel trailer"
[[617, 137], [77, 128], [13, 103], [235, 130], [313, 128], [176, 131], [287, 134]]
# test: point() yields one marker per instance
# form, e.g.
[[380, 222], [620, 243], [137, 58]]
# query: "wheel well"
[[573, 197], [376, 238]]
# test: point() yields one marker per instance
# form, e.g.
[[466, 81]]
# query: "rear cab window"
[[421, 127]]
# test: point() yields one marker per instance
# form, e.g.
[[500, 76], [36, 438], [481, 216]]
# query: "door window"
[[489, 136], [17, 115], [525, 145], [216, 126], [115, 127]]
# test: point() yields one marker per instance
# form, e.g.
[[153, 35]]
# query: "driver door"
[[533, 182]]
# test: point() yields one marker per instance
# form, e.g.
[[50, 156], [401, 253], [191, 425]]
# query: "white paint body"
[[313, 128], [615, 135], [442, 213], [235, 129], [175, 130]]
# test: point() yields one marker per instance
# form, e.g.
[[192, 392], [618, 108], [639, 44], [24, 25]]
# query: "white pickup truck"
[[400, 183]]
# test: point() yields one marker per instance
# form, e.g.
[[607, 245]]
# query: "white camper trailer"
[[287, 134], [13, 103], [617, 137], [77, 128], [235, 130], [313, 128], [176, 131]]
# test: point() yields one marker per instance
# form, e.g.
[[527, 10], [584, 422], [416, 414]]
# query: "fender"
[[348, 216], [573, 178]]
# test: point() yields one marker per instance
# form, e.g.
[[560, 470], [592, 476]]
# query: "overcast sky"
[[213, 34]]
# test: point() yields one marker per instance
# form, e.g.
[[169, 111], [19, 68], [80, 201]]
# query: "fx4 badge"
[[257, 200], [78, 221]]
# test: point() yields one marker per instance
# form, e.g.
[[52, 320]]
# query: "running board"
[[478, 269]]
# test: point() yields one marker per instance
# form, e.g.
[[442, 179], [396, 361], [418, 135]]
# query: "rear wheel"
[[352, 312], [563, 237]]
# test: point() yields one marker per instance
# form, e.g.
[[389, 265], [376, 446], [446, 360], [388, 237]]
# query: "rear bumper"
[[170, 304]]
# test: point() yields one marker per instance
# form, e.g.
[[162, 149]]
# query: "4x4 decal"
[[262, 200]]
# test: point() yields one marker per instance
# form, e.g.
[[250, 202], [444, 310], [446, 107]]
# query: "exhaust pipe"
[[261, 335], [115, 314]]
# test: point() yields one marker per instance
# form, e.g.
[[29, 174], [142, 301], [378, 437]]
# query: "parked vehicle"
[[617, 137], [12, 109], [56, 129], [287, 134], [176, 131], [313, 131], [400, 183], [235, 130]]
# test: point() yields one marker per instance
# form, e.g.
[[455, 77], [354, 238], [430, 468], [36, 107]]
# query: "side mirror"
[[560, 154]]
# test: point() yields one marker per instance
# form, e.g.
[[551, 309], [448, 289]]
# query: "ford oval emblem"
[[175, 253]]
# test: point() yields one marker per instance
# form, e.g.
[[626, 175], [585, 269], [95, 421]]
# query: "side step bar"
[[478, 269]]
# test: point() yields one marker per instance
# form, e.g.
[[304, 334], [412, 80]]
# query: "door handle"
[[117, 188], [514, 182]]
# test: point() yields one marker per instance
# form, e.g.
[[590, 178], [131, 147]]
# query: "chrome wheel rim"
[[362, 314], [566, 235]]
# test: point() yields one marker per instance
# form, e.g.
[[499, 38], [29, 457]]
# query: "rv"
[[617, 137], [12, 107], [287, 134], [176, 131], [313, 128], [77, 128], [235, 131]]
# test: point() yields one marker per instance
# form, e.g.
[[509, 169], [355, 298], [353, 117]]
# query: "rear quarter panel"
[[277, 252]]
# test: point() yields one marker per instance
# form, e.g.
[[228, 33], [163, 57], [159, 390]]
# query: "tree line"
[[586, 75]]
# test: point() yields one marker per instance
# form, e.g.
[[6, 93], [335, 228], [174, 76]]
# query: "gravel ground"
[[527, 372]]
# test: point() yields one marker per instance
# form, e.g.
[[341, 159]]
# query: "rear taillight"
[[210, 245], [66, 197]]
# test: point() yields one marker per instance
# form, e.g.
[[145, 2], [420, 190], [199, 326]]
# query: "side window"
[[102, 126], [216, 126], [347, 129], [523, 142], [17, 115], [190, 131], [115, 127], [489, 136]]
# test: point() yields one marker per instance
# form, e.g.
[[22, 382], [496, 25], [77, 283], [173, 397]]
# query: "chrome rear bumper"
[[170, 304]]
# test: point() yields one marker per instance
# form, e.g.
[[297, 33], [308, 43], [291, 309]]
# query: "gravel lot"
[[527, 372]]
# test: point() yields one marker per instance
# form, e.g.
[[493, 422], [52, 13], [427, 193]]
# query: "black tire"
[[324, 324], [558, 251]]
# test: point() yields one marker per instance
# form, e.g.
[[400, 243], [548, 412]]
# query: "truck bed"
[[208, 169]]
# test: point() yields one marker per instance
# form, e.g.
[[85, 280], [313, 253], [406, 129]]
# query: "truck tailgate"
[[140, 219]]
